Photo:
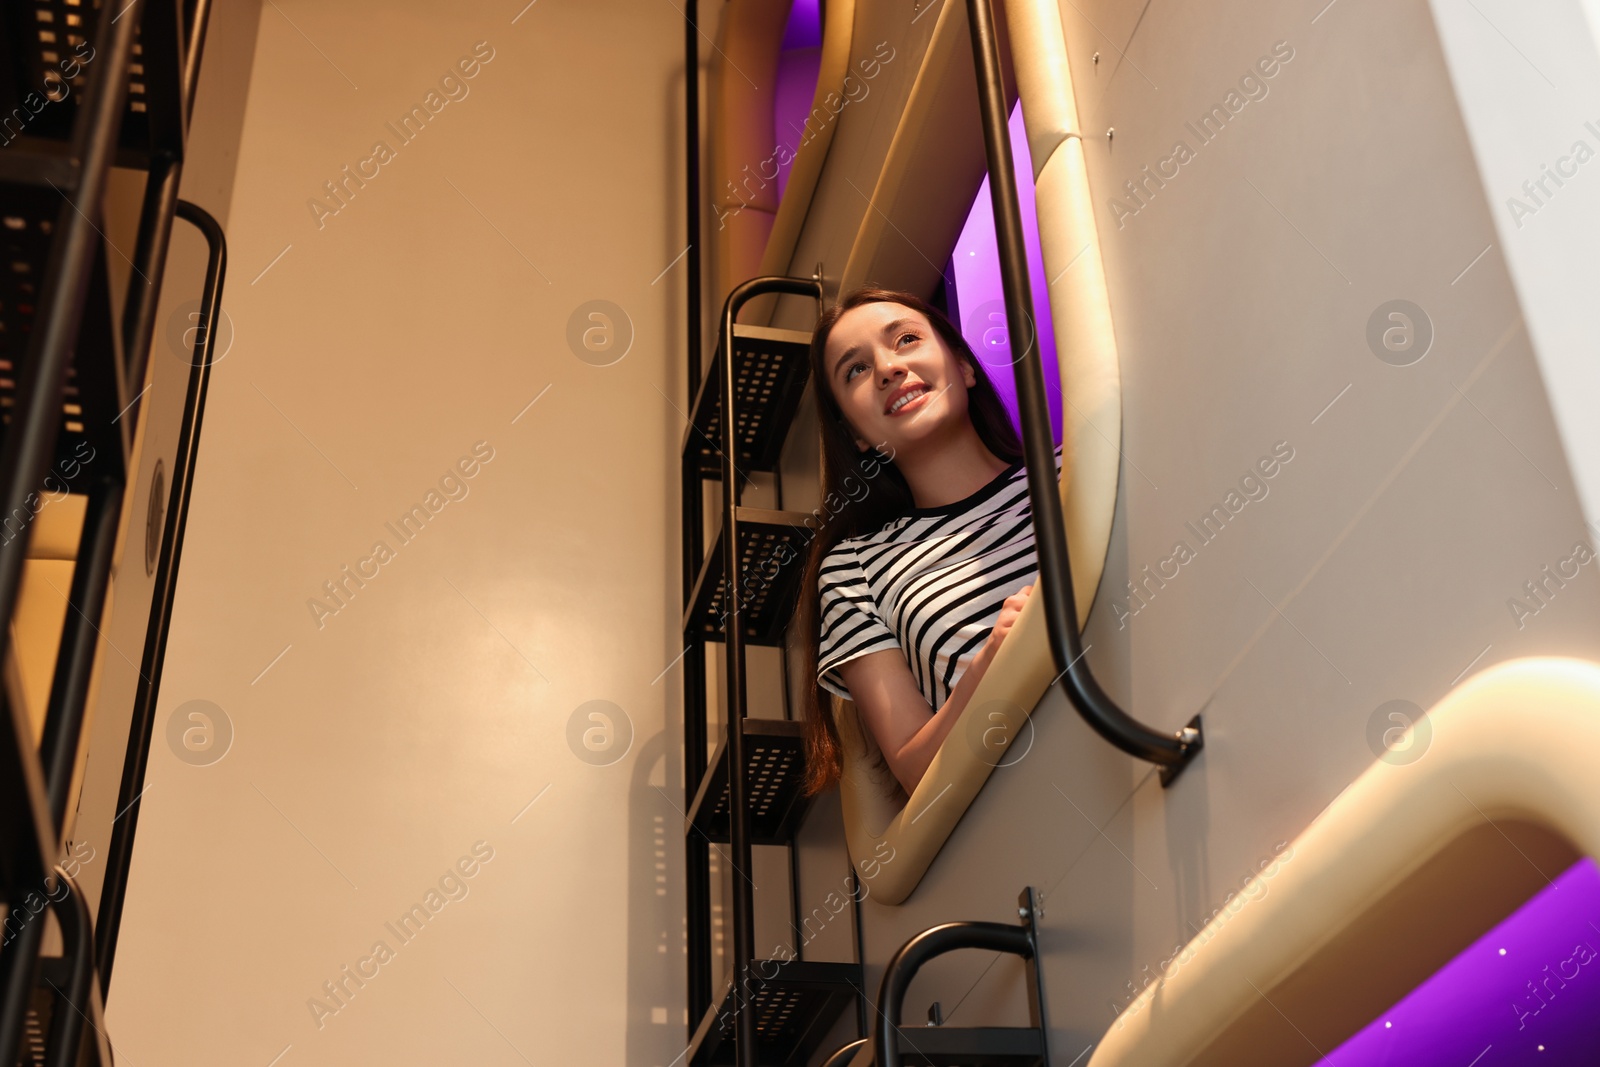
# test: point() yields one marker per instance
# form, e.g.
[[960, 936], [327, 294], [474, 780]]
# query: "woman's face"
[[894, 377]]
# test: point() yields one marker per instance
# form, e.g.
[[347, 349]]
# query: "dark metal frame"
[[31, 837], [1019, 940], [744, 937], [35, 784], [697, 851], [1171, 751]]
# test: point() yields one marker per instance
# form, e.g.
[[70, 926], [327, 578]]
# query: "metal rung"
[[775, 757], [770, 368], [795, 1003]]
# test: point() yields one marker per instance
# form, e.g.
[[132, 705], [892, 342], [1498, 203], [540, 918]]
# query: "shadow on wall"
[[655, 917]]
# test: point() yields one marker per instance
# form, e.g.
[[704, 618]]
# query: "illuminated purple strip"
[[798, 64], [1528, 991], [804, 28], [977, 299]]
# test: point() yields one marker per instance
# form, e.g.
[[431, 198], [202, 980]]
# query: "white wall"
[[1533, 108], [372, 751]]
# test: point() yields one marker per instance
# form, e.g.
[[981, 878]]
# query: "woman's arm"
[[908, 731]]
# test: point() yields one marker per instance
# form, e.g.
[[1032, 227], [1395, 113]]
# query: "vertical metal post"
[[80, 634], [697, 854], [696, 850], [743, 911], [691, 184]]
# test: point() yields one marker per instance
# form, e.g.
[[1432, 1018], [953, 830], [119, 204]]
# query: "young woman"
[[915, 579]]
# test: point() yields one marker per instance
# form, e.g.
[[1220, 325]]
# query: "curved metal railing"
[[1171, 751]]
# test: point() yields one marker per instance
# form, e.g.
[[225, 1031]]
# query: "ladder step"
[[776, 764], [770, 369], [978, 1046], [772, 550], [795, 1003], [93, 396], [32, 161], [45, 76]]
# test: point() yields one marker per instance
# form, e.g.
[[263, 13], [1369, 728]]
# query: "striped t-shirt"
[[930, 583]]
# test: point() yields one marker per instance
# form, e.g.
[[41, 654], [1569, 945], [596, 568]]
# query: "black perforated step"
[[769, 377], [986, 1046], [794, 1002], [772, 549], [776, 765], [48, 63], [92, 401]]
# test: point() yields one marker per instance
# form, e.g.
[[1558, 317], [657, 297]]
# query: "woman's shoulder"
[[848, 550]]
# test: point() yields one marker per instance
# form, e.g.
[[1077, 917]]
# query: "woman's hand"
[[1002, 627], [907, 730]]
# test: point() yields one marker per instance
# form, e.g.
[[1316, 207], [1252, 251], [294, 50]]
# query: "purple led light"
[[804, 28], [1528, 991], [977, 299], [798, 64]]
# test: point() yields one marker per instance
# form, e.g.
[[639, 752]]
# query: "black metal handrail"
[[844, 1054], [1021, 940], [1171, 751], [744, 937], [119, 857], [81, 1008]]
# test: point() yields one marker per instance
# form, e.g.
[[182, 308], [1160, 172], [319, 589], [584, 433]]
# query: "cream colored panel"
[[372, 749], [36, 631], [741, 177], [1512, 748], [934, 164], [56, 527], [42, 602], [813, 152], [1039, 51], [1091, 378], [743, 79], [888, 54]]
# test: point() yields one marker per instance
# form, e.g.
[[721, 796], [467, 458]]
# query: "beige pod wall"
[[427, 738]]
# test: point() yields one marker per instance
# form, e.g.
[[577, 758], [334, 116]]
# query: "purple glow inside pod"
[[977, 301], [798, 63], [804, 28], [1527, 992]]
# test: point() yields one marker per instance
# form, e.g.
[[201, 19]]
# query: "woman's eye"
[[906, 335], [850, 372]]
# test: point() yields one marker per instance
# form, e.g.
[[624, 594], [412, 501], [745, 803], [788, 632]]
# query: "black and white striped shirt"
[[930, 583]]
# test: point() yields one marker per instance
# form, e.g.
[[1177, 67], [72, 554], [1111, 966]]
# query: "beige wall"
[[372, 751]]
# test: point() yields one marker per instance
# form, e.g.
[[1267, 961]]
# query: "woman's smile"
[[913, 394]]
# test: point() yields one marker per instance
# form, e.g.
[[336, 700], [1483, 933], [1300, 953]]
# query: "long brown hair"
[[845, 470]]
